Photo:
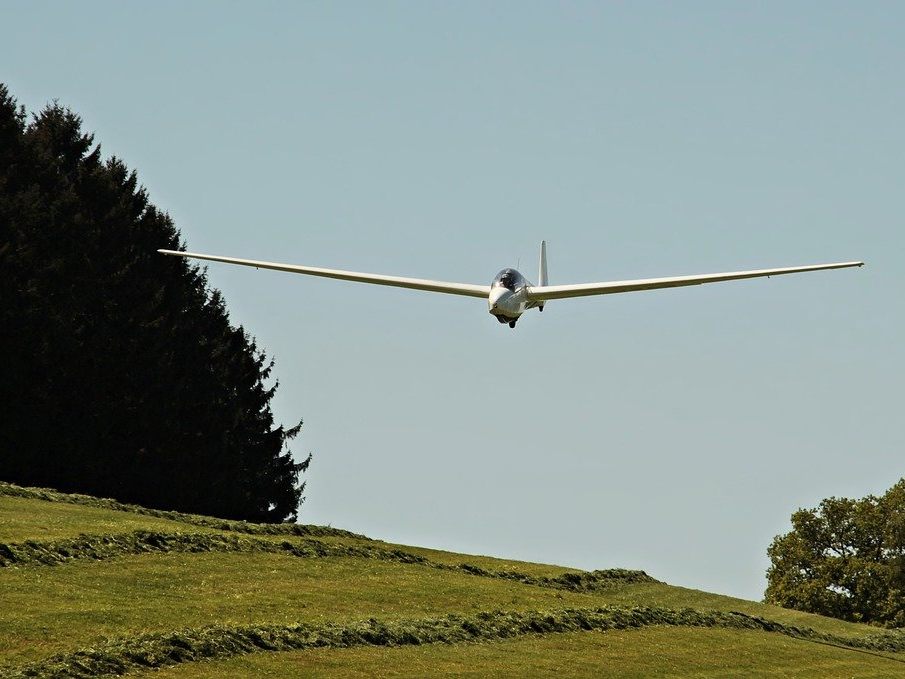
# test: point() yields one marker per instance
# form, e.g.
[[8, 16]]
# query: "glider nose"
[[497, 298]]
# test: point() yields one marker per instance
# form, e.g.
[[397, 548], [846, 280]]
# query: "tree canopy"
[[121, 374], [845, 558]]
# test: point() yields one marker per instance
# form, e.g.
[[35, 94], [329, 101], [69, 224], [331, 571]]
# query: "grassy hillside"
[[92, 587]]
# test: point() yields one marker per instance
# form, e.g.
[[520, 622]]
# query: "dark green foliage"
[[120, 656], [121, 375], [845, 559]]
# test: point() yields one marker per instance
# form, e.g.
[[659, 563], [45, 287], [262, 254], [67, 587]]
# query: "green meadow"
[[91, 587]]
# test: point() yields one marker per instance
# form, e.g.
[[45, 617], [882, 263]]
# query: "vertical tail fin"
[[542, 269]]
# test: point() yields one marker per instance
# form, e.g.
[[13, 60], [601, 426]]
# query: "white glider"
[[510, 294]]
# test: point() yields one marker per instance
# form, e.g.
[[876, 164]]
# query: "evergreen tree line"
[[120, 373]]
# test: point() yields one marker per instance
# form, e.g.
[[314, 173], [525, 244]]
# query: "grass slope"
[[623, 654], [93, 586]]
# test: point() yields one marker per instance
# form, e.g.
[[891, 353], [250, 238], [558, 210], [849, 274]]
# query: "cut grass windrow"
[[120, 656], [12, 490], [104, 547]]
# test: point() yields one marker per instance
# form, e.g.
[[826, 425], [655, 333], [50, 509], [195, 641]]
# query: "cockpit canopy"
[[509, 279]]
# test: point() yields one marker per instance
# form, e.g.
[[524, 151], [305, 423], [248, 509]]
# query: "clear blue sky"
[[673, 431]]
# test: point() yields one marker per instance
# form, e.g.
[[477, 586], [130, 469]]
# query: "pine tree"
[[121, 373]]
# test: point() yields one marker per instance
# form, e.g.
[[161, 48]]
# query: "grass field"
[[635, 654], [125, 590], [26, 519]]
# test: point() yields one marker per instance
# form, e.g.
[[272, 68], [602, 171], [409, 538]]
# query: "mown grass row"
[[641, 653], [120, 656], [12, 490], [102, 547]]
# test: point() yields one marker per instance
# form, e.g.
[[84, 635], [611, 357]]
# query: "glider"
[[510, 294]]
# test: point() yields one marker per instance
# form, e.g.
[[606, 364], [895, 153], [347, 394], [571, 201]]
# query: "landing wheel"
[[511, 324]]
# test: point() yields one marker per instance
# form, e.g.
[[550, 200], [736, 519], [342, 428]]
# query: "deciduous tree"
[[845, 558]]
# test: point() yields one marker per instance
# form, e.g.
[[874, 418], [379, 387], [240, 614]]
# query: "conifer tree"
[[120, 373]]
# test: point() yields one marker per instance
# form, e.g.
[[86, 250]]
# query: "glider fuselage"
[[508, 297]]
